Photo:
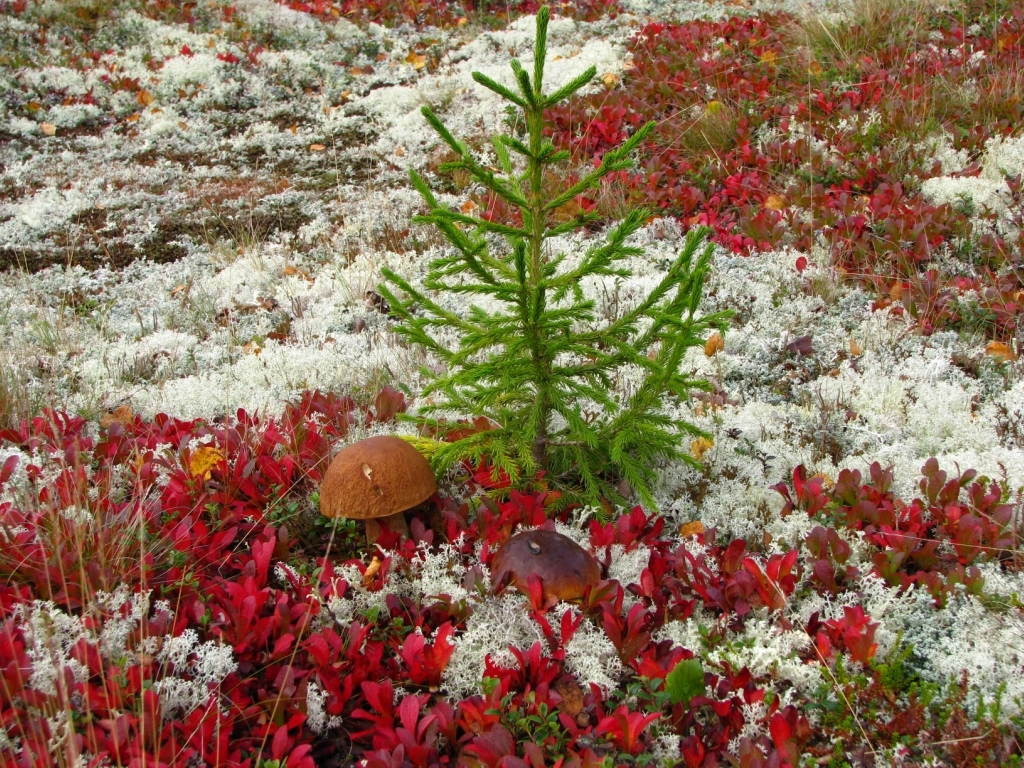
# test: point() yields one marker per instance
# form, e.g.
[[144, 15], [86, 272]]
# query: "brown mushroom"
[[377, 479], [564, 568]]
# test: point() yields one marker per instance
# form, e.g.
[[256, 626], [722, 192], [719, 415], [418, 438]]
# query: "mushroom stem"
[[395, 523]]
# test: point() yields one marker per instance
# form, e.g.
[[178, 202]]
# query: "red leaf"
[[409, 712], [279, 745], [8, 469]]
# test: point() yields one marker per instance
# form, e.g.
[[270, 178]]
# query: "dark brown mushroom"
[[377, 479], [564, 568]]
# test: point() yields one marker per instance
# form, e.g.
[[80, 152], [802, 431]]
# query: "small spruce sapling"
[[533, 368]]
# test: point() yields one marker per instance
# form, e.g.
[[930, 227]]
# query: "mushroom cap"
[[376, 477], [564, 567]]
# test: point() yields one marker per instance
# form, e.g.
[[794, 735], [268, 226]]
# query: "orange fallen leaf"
[[814, 68], [400, 151], [48, 129], [290, 269], [610, 80], [855, 348], [1002, 352], [768, 57], [896, 291], [714, 344], [468, 207], [826, 482], [252, 348], [132, 117], [34, 106], [371, 571], [418, 60], [775, 202], [692, 528], [144, 97], [203, 460], [121, 415], [317, 147]]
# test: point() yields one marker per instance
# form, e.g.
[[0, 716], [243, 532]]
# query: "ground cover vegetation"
[[214, 280]]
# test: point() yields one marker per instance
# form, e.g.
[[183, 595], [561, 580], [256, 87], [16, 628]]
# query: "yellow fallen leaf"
[[252, 348], [203, 461], [418, 60], [400, 151], [48, 129], [701, 446], [468, 207], [855, 348], [1002, 352], [144, 97], [34, 106], [713, 107], [610, 80], [896, 291], [317, 147], [691, 529], [775, 202], [769, 57], [132, 117], [814, 68], [714, 344]]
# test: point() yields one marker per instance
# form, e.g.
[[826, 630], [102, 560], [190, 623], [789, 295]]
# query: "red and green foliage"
[[773, 142], [442, 13], [208, 504]]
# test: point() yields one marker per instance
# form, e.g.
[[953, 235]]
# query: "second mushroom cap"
[[564, 568]]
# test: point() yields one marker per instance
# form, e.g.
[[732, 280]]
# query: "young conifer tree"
[[534, 367]]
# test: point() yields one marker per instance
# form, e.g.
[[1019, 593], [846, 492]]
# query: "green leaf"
[[685, 681]]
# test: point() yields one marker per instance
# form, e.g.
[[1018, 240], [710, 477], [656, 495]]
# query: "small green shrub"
[[541, 370]]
